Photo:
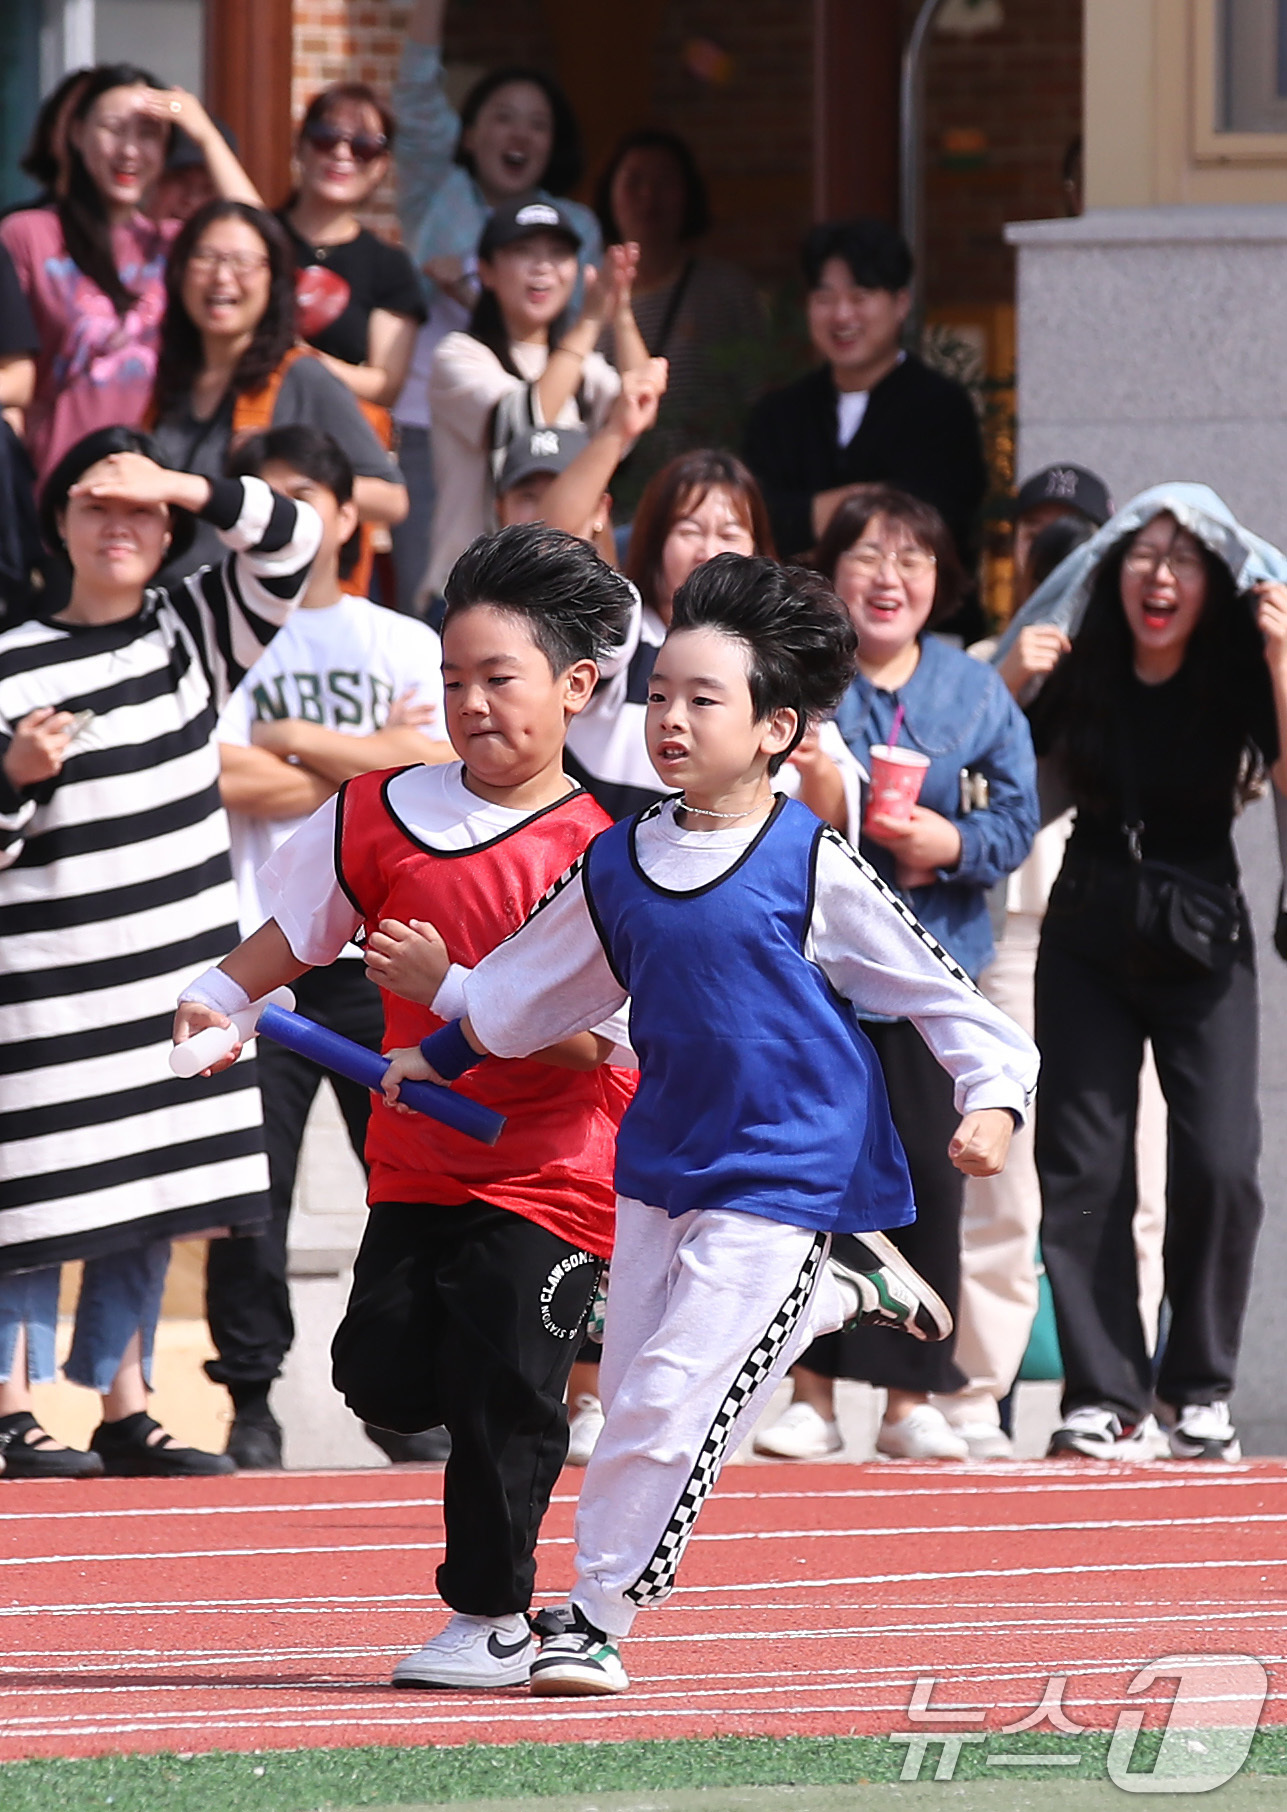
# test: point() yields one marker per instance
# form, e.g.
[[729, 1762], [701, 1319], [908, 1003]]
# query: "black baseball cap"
[[549, 450], [1072, 486], [186, 154], [520, 219]]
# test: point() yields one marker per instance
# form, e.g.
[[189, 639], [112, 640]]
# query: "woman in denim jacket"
[[892, 560]]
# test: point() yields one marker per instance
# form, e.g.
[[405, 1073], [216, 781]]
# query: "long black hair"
[[487, 325], [87, 231], [181, 357], [1078, 714], [567, 160], [43, 160]]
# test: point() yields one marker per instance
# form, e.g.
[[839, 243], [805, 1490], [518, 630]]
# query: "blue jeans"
[[119, 1296]]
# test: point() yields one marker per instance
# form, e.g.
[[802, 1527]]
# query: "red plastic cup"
[[897, 776]]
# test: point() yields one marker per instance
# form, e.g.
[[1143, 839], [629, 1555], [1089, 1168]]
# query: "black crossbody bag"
[[1183, 928]]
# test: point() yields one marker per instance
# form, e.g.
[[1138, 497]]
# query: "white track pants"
[[705, 1315]]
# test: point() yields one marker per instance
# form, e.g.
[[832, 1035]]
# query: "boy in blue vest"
[[744, 932]]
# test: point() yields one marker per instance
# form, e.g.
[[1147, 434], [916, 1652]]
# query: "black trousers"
[[920, 1098], [1095, 1009], [471, 1317], [247, 1296]]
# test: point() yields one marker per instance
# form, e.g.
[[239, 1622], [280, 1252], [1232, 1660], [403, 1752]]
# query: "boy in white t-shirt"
[[352, 688]]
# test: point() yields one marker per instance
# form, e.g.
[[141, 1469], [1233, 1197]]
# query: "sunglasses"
[[365, 146]]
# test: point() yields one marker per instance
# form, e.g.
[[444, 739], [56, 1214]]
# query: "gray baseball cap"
[[549, 450]]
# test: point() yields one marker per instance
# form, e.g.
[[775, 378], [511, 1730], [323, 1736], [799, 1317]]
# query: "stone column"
[[1152, 344]]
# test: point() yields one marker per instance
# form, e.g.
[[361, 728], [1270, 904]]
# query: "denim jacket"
[[959, 713], [440, 207]]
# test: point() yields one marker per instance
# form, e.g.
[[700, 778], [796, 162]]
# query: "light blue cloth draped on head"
[[1061, 597]]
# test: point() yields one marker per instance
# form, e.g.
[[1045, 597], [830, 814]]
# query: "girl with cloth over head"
[[1162, 719]]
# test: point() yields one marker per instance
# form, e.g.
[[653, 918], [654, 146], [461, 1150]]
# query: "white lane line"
[[1078, 1571], [645, 1692], [494, 1713], [701, 1539], [665, 1686], [93, 1660], [364, 1604], [990, 1486], [25, 1662], [318, 1507], [368, 1547], [895, 1530]]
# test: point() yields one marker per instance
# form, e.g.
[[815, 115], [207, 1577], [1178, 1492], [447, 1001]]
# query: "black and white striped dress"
[[115, 889]]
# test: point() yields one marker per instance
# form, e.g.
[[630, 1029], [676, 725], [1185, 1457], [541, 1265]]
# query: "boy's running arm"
[[542, 987], [547, 982], [872, 950]]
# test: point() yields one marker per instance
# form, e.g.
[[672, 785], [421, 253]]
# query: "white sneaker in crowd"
[[585, 1425], [1095, 1432], [1204, 1431], [924, 1433], [477, 1652], [799, 1433], [985, 1440]]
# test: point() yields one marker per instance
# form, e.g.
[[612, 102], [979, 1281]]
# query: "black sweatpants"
[[247, 1295], [471, 1316], [1094, 1013], [921, 1101]]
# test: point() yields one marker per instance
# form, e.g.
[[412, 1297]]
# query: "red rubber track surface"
[[265, 1611]]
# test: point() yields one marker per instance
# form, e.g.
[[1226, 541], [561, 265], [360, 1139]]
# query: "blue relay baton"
[[367, 1068]]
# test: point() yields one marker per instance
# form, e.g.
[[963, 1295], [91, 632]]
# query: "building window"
[[41, 40], [1252, 36]]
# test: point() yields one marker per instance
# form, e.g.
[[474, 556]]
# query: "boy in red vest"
[[479, 1264]]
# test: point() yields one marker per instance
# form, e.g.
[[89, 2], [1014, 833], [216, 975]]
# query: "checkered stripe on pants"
[[657, 1578]]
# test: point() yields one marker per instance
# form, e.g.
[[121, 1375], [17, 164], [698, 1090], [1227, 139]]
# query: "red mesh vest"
[[553, 1163]]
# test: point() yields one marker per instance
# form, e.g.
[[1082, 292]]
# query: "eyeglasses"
[[1186, 563], [241, 264], [908, 562], [365, 146]]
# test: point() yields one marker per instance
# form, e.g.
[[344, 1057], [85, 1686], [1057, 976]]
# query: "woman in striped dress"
[[114, 883]]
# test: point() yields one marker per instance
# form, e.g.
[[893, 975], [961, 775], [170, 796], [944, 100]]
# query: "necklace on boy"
[[701, 811]]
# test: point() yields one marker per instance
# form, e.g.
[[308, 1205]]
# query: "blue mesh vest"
[[758, 1089]]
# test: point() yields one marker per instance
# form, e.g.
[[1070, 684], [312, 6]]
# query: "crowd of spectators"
[[201, 395]]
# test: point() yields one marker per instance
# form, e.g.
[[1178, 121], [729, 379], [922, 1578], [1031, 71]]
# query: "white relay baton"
[[204, 1048]]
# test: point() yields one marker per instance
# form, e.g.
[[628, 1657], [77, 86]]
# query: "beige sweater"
[[467, 383]]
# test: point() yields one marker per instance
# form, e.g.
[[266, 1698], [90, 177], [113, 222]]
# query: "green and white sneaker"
[[579, 1662], [890, 1292]]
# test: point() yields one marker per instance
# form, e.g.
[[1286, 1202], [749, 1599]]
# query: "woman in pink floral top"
[[93, 265]]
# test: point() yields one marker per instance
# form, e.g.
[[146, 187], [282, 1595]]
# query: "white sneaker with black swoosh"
[[477, 1652]]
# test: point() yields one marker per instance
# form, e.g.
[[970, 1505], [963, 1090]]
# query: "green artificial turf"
[[581, 1774]]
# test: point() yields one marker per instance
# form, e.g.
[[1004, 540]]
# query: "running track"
[[265, 1611]]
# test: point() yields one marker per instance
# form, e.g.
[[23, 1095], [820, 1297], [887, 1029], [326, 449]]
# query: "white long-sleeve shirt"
[[552, 978]]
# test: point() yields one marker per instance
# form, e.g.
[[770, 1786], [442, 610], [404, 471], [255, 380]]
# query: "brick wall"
[[750, 125], [349, 41], [749, 117], [1020, 88]]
